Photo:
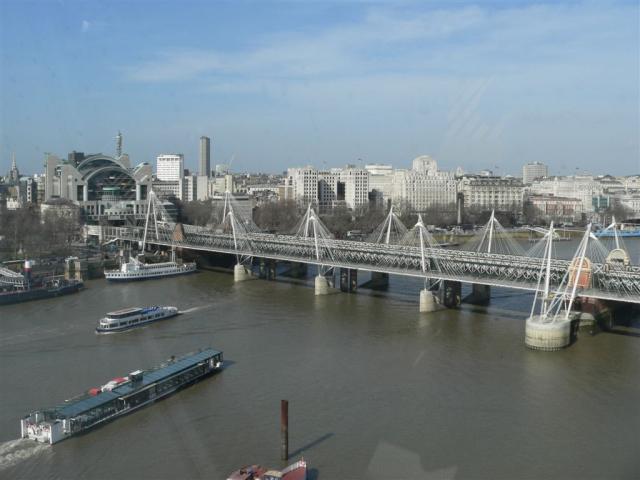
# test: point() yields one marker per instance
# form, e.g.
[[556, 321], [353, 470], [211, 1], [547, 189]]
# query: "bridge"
[[417, 254]]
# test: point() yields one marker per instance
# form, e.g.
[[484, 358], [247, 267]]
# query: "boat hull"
[[135, 276], [38, 294]]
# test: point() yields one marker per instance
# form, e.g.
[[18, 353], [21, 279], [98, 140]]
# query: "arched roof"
[[98, 162]]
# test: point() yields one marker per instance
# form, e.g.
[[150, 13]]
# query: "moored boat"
[[129, 318], [136, 269], [295, 471], [118, 397], [17, 288]]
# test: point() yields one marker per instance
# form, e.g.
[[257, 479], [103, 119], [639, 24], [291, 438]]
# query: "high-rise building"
[[205, 156], [534, 170], [170, 167]]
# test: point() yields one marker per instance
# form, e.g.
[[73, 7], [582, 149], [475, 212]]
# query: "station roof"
[[86, 403]]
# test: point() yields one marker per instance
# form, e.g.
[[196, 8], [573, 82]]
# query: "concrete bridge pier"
[[480, 294], [348, 279], [428, 301], [450, 293], [322, 285], [241, 273]]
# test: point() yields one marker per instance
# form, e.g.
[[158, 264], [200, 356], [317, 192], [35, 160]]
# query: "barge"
[[119, 397], [22, 287], [129, 318]]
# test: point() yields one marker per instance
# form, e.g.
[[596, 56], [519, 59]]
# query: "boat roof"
[[85, 403], [125, 310]]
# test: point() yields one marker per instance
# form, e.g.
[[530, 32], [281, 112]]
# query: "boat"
[[17, 288], [635, 232], [619, 230], [136, 269], [119, 397], [295, 471], [130, 318]]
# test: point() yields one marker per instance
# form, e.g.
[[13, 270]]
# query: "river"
[[376, 390]]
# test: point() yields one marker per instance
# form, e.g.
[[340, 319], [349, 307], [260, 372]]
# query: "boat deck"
[[85, 403]]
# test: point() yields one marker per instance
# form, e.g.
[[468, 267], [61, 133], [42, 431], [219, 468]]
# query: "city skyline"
[[325, 83]]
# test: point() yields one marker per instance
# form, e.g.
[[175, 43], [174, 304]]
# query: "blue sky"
[[286, 83]]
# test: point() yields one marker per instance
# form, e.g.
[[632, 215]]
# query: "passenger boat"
[[129, 318], [296, 471], [136, 269], [120, 396]]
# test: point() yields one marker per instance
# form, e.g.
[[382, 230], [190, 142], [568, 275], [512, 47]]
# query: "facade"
[[490, 192], [167, 188], [381, 186], [97, 184], [583, 187], [424, 186], [189, 188], [534, 170], [170, 167], [205, 157], [560, 209], [347, 186]]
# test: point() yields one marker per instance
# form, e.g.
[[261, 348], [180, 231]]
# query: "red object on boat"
[[94, 391], [295, 471]]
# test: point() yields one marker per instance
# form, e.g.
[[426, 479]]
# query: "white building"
[[381, 186], [501, 193], [582, 187], [189, 188], [347, 186], [534, 170], [170, 167], [424, 186]]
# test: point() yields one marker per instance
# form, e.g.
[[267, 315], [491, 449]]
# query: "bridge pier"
[[348, 279], [379, 280], [450, 293], [428, 301], [241, 273], [267, 269], [298, 270], [322, 285], [480, 294]]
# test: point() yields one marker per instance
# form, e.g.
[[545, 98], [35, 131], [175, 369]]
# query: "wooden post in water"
[[284, 430]]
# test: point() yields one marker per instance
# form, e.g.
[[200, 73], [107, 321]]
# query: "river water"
[[376, 390]]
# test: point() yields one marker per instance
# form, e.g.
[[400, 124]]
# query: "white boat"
[[136, 269], [129, 318]]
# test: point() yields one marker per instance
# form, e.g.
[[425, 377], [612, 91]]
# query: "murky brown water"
[[376, 390]]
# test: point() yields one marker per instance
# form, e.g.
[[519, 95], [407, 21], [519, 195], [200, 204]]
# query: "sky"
[[275, 84]]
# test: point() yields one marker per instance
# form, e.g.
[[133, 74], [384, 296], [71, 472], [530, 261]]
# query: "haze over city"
[[482, 86]]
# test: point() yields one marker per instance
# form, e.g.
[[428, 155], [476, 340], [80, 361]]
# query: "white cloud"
[[85, 26]]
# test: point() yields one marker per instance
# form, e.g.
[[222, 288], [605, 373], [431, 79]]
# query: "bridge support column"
[[262, 269], [480, 294], [271, 269], [298, 270], [348, 279], [450, 293], [241, 273], [428, 301], [322, 285], [379, 280]]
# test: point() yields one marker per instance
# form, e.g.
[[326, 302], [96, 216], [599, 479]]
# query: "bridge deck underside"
[[608, 282]]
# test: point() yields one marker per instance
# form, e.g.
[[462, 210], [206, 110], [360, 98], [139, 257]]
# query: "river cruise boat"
[[295, 471], [118, 397], [136, 269], [130, 318]]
